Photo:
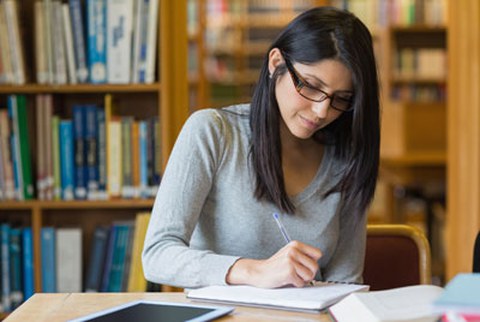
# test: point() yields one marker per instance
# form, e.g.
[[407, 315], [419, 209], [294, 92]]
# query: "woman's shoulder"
[[220, 118]]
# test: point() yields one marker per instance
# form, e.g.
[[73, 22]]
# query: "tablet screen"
[[149, 311]]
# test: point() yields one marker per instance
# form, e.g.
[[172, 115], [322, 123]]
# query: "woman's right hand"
[[295, 264]]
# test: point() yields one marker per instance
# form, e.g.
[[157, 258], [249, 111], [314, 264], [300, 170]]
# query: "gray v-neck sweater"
[[206, 216]]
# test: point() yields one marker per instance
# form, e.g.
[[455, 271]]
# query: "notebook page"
[[308, 298]]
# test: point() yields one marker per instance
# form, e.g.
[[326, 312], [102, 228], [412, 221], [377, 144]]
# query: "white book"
[[114, 158], [6, 60], [119, 40], [68, 251], [68, 41], [59, 46], [410, 303], [14, 40], [309, 298], [151, 42]]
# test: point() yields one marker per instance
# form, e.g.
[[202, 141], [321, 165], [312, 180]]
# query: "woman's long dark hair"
[[317, 34]]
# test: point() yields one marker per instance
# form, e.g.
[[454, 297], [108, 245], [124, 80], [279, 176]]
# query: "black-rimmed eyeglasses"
[[339, 103]]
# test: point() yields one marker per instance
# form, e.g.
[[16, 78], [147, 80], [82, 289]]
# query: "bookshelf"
[[237, 36], [155, 100]]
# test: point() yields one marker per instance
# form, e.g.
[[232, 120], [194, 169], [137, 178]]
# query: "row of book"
[[419, 93], [114, 261], [96, 41], [381, 13], [421, 63], [16, 269], [93, 155]]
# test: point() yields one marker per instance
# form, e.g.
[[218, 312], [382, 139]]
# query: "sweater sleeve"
[[186, 183]]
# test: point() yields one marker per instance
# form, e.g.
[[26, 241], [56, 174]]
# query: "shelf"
[[434, 158], [418, 29], [418, 80], [78, 204], [81, 88]]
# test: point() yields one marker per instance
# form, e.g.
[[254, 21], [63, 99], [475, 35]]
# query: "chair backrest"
[[396, 256]]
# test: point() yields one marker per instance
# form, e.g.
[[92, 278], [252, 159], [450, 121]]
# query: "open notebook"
[[308, 298]]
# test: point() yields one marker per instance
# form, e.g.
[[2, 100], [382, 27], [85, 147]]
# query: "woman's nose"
[[321, 108]]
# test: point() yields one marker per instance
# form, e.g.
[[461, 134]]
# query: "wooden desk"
[[45, 307]]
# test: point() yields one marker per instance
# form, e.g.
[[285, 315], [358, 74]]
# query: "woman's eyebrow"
[[322, 83]]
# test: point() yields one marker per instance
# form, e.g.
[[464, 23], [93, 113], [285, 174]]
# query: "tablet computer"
[[153, 311]]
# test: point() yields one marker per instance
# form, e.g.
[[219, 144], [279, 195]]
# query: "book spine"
[[119, 38], [91, 150], [8, 77], [16, 50], [93, 277], [97, 44], [48, 260], [5, 267], [78, 40], [68, 260], [40, 55], [127, 186], [24, 142], [67, 164], [114, 151], [16, 267], [108, 259], [79, 152], [142, 59], [69, 48], [49, 180], [143, 159], [151, 42], [48, 45], [28, 276], [102, 155], [6, 155], [137, 39], [15, 146], [57, 183], [41, 158], [59, 47]]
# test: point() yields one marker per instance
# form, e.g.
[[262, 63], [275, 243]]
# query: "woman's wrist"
[[241, 272]]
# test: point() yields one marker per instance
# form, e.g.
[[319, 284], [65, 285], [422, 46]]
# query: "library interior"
[[90, 111]]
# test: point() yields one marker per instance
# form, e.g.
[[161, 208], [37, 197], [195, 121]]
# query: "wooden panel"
[[463, 203]]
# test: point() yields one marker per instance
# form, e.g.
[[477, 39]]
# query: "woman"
[[306, 147]]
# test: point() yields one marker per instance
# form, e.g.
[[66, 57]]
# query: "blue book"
[[5, 267], [97, 40], [93, 278], [91, 150], [102, 154], [27, 256], [48, 260], [67, 165], [118, 263], [108, 259], [79, 40], [16, 267], [79, 121]]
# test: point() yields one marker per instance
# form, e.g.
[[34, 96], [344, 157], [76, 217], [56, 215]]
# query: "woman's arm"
[[167, 257]]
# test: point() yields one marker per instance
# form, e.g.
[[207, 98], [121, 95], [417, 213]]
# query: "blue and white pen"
[[283, 230], [281, 227]]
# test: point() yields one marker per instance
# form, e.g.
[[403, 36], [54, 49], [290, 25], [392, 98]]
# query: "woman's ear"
[[275, 58]]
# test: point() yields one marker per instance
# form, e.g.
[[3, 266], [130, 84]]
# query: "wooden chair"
[[396, 255]]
